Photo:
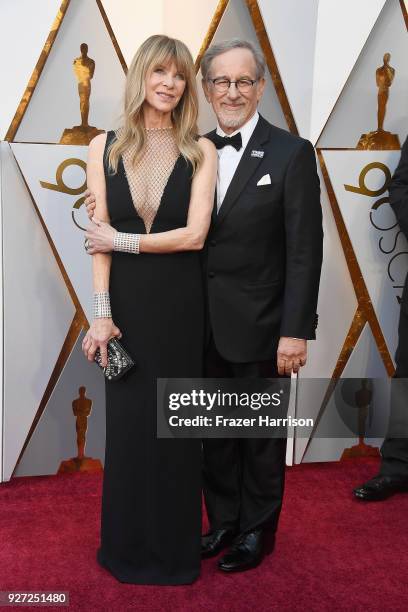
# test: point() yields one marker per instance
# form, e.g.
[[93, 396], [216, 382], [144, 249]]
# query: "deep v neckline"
[[131, 202], [147, 181]]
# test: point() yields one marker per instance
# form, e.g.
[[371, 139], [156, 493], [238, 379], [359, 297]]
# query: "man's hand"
[[100, 237], [89, 203], [292, 354]]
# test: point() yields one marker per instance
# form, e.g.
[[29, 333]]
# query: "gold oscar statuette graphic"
[[362, 399], [84, 68], [81, 407], [380, 139]]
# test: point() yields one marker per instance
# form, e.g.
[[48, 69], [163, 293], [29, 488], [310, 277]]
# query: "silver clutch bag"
[[119, 360]]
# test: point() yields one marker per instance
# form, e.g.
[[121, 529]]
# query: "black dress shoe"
[[380, 487], [213, 542], [247, 551]]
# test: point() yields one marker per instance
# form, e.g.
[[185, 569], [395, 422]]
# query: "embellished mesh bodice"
[[148, 178]]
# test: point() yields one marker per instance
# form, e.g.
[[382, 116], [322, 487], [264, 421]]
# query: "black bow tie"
[[222, 141]]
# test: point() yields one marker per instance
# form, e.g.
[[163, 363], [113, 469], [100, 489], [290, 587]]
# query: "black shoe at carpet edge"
[[215, 541], [380, 488], [246, 552]]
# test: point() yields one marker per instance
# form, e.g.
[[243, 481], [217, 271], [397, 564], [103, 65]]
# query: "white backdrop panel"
[[188, 21], [364, 362], [375, 248], [338, 23], [356, 111], [23, 34], [336, 307], [129, 28], [40, 163], [54, 439], [313, 60], [37, 310], [55, 102], [294, 54]]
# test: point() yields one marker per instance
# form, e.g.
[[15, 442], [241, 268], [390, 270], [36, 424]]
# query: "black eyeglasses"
[[222, 84]]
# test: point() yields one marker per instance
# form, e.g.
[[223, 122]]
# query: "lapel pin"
[[257, 153]]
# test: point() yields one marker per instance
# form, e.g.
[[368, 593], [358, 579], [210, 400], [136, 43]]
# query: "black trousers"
[[243, 478], [394, 451]]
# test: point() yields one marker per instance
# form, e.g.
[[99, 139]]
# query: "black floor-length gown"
[[151, 503]]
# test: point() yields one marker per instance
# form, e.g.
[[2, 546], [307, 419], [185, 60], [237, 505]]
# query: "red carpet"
[[332, 552]]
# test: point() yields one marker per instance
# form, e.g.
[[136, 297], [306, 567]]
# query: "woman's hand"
[[100, 237], [97, 336], [90, 203]]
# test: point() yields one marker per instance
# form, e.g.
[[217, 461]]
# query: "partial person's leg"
[[263, 466], [263, 482], [393, 473], [394, 451], [262, 485], [221, 463]]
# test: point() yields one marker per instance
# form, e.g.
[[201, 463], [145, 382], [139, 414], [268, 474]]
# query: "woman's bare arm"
[[188, 238], [101, 262], [103, 328]]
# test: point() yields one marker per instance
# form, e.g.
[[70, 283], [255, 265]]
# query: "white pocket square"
[[265, 180]]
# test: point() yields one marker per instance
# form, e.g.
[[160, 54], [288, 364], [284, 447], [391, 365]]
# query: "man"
[[263, 260], [393, 474], [264, 253]]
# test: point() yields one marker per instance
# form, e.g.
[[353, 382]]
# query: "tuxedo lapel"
[[246, 168]]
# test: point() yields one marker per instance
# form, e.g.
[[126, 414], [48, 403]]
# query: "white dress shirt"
[[229, 157]]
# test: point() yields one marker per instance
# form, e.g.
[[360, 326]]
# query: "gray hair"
[[227, 45]]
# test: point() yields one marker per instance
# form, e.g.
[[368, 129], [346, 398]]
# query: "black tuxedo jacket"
[[398, 192], [263, 252]]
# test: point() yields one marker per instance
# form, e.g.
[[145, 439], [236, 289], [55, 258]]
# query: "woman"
[[154, 183]]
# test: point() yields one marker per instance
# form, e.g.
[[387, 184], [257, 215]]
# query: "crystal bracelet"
[[101, 305], [127, 243]]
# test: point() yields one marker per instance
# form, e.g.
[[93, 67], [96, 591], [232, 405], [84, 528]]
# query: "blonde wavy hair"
[[158, 50]]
